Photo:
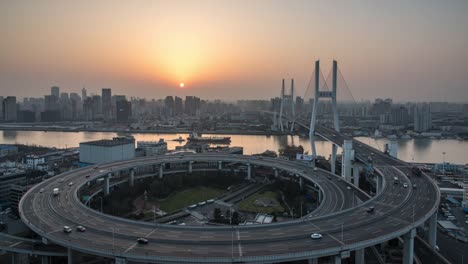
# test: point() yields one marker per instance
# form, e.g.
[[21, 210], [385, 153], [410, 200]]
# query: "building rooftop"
[[117, 141], [3, 146]]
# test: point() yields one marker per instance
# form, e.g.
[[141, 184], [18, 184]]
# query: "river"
[[410, 150]]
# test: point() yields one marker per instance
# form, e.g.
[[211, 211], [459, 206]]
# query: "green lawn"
[[249, 205], [187, 197]]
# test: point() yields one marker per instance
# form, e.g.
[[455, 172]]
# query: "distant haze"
[[406, 50]]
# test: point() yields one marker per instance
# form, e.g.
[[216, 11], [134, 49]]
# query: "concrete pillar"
[[132, 177], [313, 261], [220, 165], [276, 172], [45, 260], [359, 256], [333, 159], [301, 183], [355, 176], [336, 259], [319, 196], [190, 166], [249, 171], [432, 230], [379, 184], [70, 256], [347, 157], [408, 247], [107, 184], [161, 168], [13, 258], [393, 148]]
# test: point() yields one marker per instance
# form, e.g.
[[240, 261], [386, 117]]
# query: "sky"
[[406, 50]]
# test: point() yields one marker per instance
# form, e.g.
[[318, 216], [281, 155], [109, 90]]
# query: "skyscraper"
[[422, 118], [107, 104], [55, 91], [10, 110], [83, 94]]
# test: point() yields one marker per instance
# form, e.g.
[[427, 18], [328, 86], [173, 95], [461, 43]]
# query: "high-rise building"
[[97, 107], [399, 116], [124, 111], [422, 117], [10, 109], [107, 103], [55, 91], [192, 105], [51, 103], [1, 107], [169, 106], [178, 106], [83, 94]]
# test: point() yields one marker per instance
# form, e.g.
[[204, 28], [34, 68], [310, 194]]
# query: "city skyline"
[[220, 50]]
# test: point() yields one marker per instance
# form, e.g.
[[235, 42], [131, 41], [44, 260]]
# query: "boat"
[[195, 137], [180, 139]]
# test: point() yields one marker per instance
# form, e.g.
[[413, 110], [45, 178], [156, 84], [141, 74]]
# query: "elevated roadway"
[[350, 229]]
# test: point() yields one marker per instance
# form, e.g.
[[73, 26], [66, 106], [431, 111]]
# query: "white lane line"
[[17, 243], [130, 247], [239, 243], [337, 240]]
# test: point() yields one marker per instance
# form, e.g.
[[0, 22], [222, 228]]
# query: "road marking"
[[334, 238], [130, 247], [239, 243], [17, 243]]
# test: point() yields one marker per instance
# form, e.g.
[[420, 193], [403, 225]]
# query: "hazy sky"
[[406, 50]]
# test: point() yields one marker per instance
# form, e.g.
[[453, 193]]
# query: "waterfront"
[[411, 150]]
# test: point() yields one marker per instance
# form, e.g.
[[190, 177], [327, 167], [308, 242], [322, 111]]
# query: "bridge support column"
[[276, 172], [70, 256], [313, 261], [190, 167], [45, 260], [220, 165], [432, 230], [301, 183], [333, 159], [378, 185], [319, 196], [132, 177], [107, 184], [408, 247], [347, 157], [356, 176], [161, 168], [336, 259], [359, 256], [249, 171]]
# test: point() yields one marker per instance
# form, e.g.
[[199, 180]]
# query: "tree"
[[217, 215], [235, 218]]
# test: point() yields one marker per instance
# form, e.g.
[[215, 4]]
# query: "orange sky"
[[233, 49]]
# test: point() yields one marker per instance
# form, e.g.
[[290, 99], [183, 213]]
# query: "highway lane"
[[261, 241]]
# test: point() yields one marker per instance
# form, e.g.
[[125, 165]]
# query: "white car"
[[405, 185], [347, 187], [67, 229], [70, 183], [315, 236]]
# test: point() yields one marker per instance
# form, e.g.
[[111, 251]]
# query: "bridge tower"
[[287, 108], [325, 94]]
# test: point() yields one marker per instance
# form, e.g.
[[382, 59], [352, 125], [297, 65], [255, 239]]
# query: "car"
[[316, 236], [61, 180], [414, 186], [466, 222], [347, 187], [201, 203], [437, 248], [315, 169], [370, 209], [329, 177], [70, 183], [67, 229], [193, 206], [405, 185], [41, 190], [87, 176], [142, 240], [210, 201], [80, 228]]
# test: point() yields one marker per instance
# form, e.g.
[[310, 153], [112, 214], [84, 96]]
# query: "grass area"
[[249, 205], [187, 197]]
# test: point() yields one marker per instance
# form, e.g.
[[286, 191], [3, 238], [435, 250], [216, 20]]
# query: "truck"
[[56, 191]]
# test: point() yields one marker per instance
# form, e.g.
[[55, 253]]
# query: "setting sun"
[[181, 85]]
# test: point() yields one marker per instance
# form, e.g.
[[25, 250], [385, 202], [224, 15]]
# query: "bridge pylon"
[[313, 120], [287, 108]]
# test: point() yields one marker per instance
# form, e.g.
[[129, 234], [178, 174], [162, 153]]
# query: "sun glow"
[[181, 85]]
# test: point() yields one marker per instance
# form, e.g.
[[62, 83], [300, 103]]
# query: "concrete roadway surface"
[[395, 214]]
